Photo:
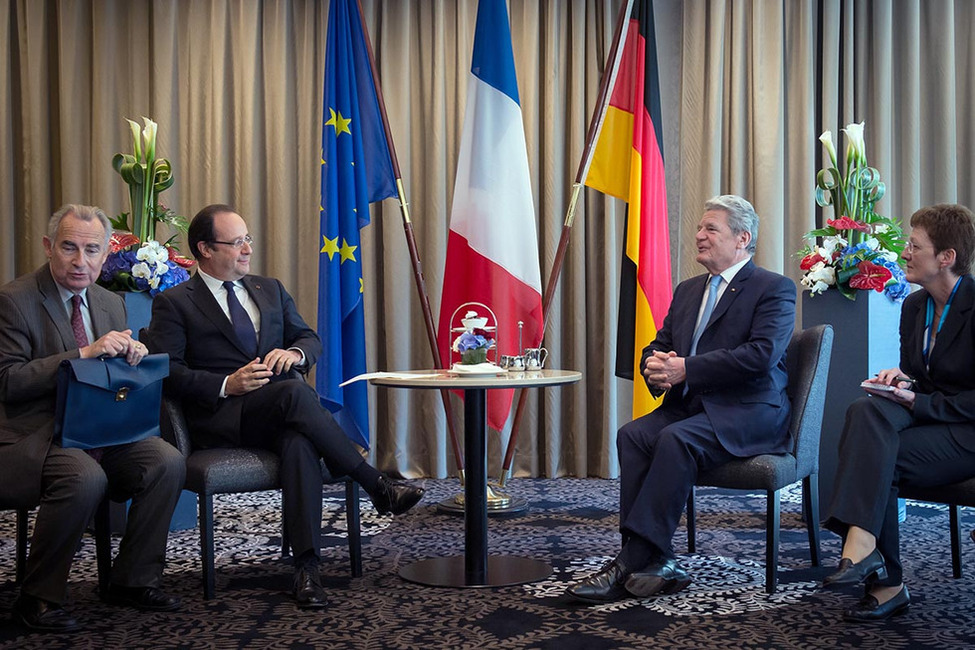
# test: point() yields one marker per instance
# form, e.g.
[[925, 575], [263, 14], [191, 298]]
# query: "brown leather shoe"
[[39, 615]]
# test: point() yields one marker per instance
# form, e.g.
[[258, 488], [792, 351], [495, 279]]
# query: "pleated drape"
[[236, 87]]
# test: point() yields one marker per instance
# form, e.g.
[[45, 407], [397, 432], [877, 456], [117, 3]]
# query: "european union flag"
[[356, 170]]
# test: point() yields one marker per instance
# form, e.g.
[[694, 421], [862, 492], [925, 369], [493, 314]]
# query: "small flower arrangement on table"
[[136, 261], [860, 249], [474, 342]]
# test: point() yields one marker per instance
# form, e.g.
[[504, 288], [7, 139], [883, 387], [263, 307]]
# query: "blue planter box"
[[865, 341], [138, 307]]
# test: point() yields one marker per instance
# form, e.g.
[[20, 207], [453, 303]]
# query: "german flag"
[[628, 164]]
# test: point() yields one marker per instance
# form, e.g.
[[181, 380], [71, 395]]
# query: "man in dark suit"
[[234, 340], [720, 358], [46, 317]]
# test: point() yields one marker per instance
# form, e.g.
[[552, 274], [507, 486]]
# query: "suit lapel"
[[201, 296], [958, 315], [98, 310], [732, 292], [687, 317], [55, 308], [257, 293]]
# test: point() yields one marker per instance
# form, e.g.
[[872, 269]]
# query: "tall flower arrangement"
[[859, 249], [147, 177], [136, 261]]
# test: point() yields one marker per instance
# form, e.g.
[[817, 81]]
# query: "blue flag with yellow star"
[[356, 170]]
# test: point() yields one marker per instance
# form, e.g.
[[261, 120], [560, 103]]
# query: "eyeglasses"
[[237, 243], [911, 247]]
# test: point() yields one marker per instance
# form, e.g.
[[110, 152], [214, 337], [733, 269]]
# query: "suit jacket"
[[35, 336], [945, 390], [189, 324], [739, 369]]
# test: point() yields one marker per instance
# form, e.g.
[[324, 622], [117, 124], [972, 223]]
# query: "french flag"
[[492, 248]]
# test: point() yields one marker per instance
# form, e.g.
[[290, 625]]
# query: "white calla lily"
[[827, 139], [856, 146]]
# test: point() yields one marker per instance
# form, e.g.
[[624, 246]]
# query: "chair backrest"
[[172, 424], [807, 362]]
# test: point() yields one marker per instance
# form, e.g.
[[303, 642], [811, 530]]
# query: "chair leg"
[[22, 516], [691, 524], [103, 545], [955, 523], [206, 544], [353, 525], [285, 540], [772, 541], [810, 510]]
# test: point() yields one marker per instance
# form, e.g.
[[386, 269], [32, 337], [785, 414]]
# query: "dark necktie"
[[77, 322], [243, 325]]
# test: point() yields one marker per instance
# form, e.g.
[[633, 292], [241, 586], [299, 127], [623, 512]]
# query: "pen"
[[900, 378]]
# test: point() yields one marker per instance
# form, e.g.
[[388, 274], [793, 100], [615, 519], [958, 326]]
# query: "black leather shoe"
[[42, 616], [853, 573], [868, 610], [148, 599], [663, 577], [308, 592], [604, 586], [395, 496]]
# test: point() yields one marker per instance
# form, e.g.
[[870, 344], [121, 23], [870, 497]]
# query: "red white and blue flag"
[[492, 250]]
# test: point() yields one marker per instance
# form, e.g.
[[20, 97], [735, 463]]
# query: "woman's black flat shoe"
[[868, 610], [853, 573]]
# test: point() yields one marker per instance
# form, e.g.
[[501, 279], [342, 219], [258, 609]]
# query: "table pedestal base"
[[515, 506], [502, 571]]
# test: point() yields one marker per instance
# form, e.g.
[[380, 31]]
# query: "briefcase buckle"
[[122, 394]]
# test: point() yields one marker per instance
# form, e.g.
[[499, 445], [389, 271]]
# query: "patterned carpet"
[[572, 523]]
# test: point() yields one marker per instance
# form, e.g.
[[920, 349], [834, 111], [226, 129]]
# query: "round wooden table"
[[475, 568]]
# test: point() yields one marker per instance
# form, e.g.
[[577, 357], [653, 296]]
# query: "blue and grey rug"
[[571, 523]]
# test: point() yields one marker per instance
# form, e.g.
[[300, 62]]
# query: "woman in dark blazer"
[[917, 426]]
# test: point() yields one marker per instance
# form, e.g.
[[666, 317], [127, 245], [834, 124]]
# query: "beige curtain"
[[236, 86]]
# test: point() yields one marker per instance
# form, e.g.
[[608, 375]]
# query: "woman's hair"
[[949, 225]]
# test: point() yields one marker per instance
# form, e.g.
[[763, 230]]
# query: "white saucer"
[[476, 369]]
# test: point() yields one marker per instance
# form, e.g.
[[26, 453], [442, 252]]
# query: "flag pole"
[[595, 125], [421, 286]]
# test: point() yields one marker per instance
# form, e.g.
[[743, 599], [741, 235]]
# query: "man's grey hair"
[[83, 212], [741, 216]]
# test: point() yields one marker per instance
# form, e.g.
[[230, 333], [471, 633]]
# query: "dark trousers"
[[151, 472], [660, 457], [287, 418], [881, 448]]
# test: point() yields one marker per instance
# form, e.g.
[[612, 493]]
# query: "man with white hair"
[[720, 359], [52, 314]]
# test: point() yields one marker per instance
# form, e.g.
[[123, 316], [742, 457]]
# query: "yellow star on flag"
[[331, 247], [347, 251], [340, 123], [361, 286]]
